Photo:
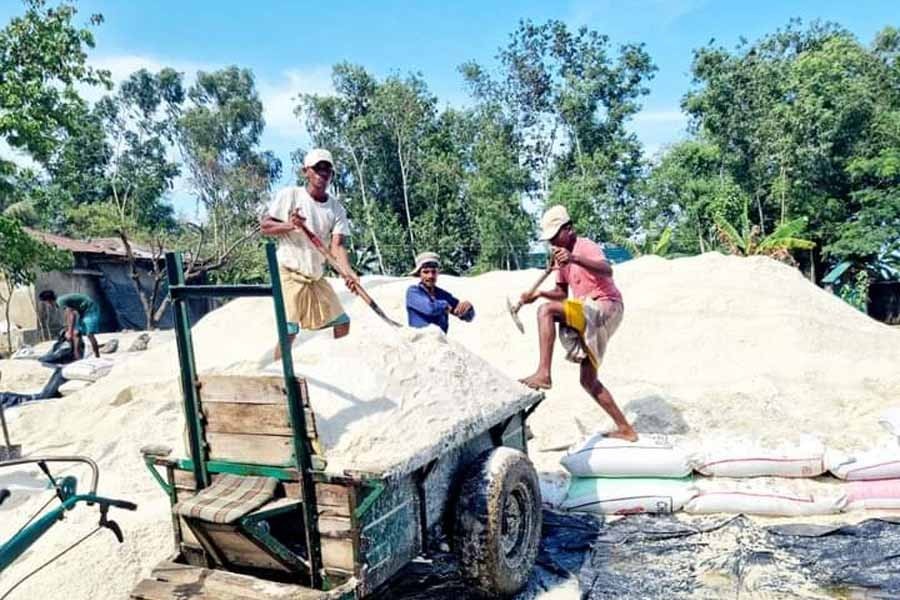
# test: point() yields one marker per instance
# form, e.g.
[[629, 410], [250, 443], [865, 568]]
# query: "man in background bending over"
[[82, 318]]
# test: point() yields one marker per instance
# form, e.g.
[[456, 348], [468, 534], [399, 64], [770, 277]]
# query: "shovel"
[[8, 451], [343, 273], [514, 308]]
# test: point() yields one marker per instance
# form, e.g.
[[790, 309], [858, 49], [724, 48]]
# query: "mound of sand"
[[708, 344]]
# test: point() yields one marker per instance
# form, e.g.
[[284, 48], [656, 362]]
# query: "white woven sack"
[[736, 458], [87, 369], [650, 456], [877, 463], [613, 496], [770, 504]]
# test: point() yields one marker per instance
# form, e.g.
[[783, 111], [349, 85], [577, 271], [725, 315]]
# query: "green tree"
[[798, 117], [43, 57], [683, 192], [571, 100], [21, 258], [405, 110], [345, 124], [749, 240], [140, 124], [218, 134]]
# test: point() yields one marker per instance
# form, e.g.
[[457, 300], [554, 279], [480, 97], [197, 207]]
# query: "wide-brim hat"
[[425, 258]]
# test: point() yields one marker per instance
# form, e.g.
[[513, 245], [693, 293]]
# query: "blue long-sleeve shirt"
[[423, 310]]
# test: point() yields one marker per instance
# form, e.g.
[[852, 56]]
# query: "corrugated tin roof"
[[101, 246]]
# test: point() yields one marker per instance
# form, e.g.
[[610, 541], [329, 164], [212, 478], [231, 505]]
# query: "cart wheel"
[[498, 521]]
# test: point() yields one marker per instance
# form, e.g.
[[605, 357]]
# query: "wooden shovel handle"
[[547, 270], [343, 273], [332, 260]]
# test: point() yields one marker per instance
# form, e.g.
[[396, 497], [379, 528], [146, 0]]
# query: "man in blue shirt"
[[426, 303]]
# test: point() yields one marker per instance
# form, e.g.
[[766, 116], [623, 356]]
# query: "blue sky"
[[291, 45]]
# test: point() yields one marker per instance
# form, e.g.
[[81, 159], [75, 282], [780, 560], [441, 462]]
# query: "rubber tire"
[[500, 480]]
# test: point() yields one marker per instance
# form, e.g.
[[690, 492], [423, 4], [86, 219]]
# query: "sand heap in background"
[[709, 344]]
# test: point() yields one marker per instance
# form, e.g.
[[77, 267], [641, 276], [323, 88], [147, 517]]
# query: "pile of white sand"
[[708, 344]]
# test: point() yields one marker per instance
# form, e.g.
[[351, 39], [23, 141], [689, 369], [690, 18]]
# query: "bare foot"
[[629, 435], [537, 382]]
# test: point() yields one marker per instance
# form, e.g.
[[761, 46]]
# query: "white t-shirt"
[[325, 219]]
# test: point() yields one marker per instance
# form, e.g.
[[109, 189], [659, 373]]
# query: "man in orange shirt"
[[586, 321]]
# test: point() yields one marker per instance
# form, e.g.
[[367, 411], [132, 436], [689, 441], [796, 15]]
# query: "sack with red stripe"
[[735, 457]]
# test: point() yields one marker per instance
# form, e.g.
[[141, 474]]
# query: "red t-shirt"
[[584, 283]]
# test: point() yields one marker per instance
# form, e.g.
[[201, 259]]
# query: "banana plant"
[[749, 241]]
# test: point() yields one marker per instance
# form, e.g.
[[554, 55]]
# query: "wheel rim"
[[517, 523]]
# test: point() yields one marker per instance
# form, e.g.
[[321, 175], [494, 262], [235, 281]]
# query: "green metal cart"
[[256, 515]]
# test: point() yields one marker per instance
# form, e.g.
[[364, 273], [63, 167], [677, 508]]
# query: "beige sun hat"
[[317, 155], [425, 258], [555, 217]]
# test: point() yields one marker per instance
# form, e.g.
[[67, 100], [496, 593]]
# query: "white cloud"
[[120, 66], [659, 128], [279, 98]]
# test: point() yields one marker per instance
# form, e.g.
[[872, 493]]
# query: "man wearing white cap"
[[426, 303], [586, 321], [310, 301]]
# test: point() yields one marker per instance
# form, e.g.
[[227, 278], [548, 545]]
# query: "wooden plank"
[[218, 583], [335, 526], [187, 534], [243, 417], [184, 480], [261, 389], [333, 496], [253, 449], [237, 549], [338, 554]]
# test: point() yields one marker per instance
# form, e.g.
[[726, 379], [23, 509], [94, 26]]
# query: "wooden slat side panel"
[[243, 417], [252, 449], [333, 499], [263, 389]]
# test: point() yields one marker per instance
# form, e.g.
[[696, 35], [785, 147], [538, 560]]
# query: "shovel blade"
[[514, 313], [10, 452]]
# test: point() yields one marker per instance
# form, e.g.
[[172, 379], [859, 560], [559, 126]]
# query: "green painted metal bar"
[[298, 423], [168, 489], [219, 291], [377, 488], [235, 468], [25, 538], [192, 417]]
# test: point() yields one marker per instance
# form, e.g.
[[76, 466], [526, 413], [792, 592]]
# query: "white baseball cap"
[[317, 155], [553, 220]]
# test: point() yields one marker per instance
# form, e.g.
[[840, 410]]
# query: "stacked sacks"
[[874, 474], [760, 497], [613, 476], [653, 475]]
